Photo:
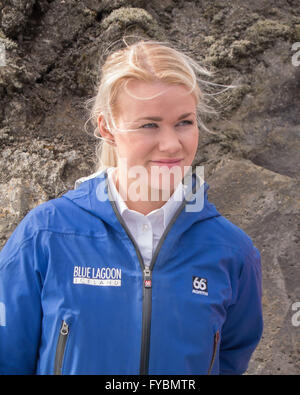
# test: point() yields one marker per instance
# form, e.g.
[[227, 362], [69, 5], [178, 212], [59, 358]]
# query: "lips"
[[167, 162]]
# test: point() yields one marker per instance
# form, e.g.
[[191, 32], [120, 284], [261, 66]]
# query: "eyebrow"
[[160, 119]]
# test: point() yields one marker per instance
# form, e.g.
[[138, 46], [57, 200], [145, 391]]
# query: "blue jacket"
[[75, 297]]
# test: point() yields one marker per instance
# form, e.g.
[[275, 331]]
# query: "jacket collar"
[[93, 194]]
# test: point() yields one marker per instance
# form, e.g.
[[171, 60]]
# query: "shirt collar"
[[168, 209]]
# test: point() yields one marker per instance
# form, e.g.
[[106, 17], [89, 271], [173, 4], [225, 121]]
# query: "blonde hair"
[[148, 61]]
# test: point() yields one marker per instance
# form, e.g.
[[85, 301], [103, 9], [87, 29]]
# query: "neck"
[[153, 200]]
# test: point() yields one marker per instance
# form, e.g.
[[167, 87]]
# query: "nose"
[[169, 141]]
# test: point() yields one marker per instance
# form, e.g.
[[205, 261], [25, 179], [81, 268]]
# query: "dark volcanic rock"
[[53, 51]]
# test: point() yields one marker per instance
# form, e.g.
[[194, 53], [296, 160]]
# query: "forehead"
[[139, 98]]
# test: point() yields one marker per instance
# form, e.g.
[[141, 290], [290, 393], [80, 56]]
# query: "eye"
[[152, 125], [149, 125], [186, 122]]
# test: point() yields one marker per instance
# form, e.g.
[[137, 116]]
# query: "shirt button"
[[145, 227]]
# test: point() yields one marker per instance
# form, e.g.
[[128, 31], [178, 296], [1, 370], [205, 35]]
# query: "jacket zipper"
[[147, 288], [60, 348], [147, 280], [216, 341], [146, 321]]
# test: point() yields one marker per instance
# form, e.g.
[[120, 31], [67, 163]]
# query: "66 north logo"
[[200, 286]]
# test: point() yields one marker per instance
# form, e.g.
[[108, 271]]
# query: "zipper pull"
[[64, 330], [216, 341], [147, 278]]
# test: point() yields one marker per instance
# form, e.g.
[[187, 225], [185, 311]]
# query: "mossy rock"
[[265, 31], [126, 17], [7, 42]]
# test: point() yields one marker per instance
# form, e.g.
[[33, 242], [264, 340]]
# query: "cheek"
[[191, 142], [124, 143], [132, 148]]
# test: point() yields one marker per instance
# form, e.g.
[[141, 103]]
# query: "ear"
[[103, 130]]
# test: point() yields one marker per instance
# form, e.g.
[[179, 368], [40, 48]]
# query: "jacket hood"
[[93, 195]]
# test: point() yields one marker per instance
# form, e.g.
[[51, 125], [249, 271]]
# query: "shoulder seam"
[[11, 258]]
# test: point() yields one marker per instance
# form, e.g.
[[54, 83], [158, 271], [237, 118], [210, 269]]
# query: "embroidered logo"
[[101, 276], [200, 286]]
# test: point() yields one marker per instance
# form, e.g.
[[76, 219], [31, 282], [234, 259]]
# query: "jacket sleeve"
[[243, 327], [20, 306]]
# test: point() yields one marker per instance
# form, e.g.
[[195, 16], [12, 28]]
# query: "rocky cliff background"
[[252, 163]]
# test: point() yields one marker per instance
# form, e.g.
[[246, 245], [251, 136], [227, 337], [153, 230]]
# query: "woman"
[[116, 278]]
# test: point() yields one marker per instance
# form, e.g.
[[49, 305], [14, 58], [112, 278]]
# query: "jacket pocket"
[[215, 348], [60, 348]]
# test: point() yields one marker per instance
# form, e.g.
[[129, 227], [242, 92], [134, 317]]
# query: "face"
[[165, 136]]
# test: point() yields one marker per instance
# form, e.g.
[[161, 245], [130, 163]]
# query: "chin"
[[163, 187]]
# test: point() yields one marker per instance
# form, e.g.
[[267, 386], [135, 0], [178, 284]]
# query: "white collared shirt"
[[146, 229]]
